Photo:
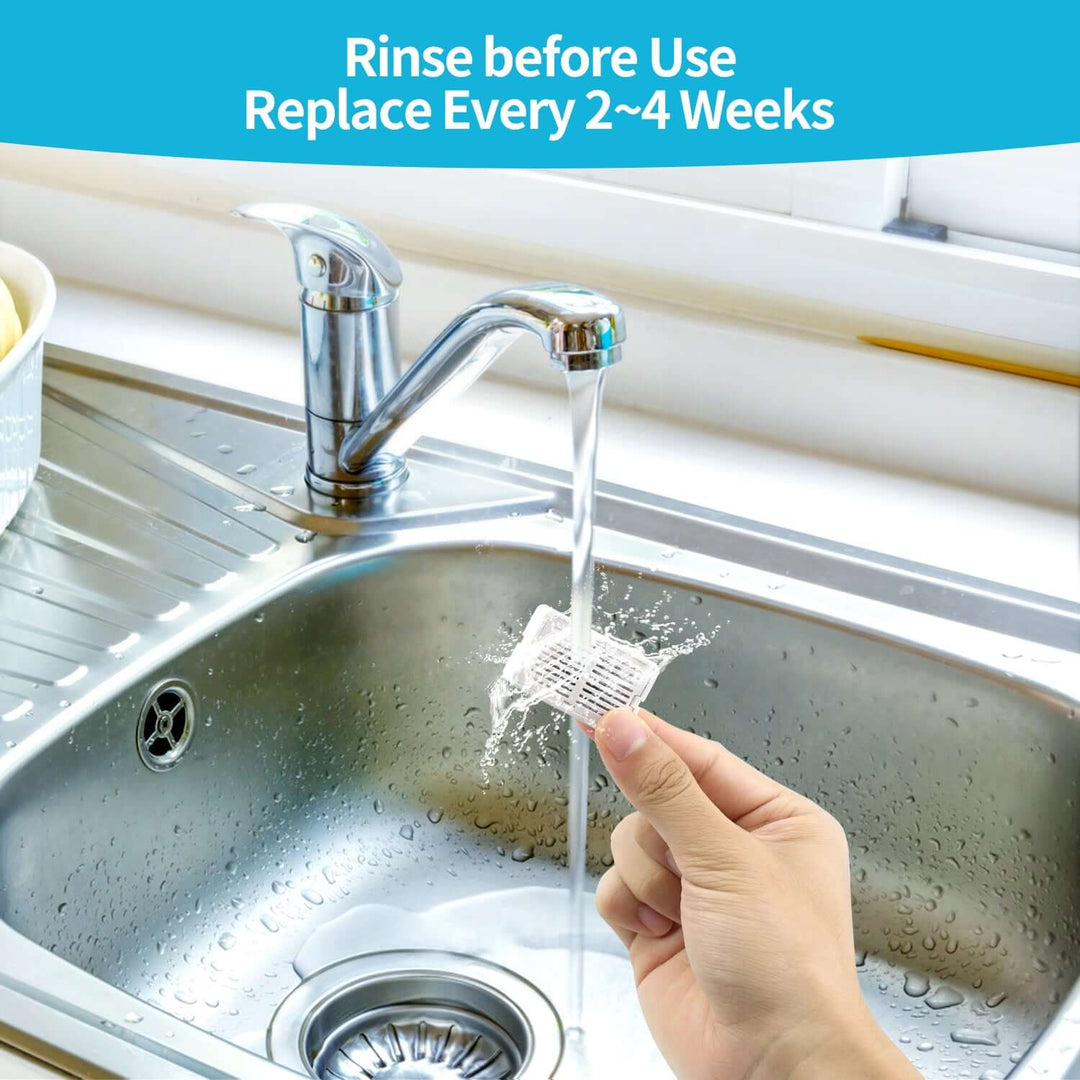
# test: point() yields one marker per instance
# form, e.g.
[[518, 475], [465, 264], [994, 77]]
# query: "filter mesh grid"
[[614, 674]]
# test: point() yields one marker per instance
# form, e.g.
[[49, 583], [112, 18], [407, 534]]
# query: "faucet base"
[[378, 476]]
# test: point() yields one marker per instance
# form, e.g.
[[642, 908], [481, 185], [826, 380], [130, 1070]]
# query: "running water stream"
[[586, 389]]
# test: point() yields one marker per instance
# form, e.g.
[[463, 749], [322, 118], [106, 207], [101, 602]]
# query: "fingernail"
[[653, 920], [670, 860], [621, 733]]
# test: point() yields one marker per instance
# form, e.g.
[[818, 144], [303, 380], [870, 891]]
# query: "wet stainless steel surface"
[[339, 662]]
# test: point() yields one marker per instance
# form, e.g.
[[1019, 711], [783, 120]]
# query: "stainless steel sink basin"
[[251, 714]]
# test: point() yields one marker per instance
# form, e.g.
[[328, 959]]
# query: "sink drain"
[[166, 724], [417, 1015]]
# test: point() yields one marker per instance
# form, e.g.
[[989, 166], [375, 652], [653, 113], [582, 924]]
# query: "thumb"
[[661, 786]]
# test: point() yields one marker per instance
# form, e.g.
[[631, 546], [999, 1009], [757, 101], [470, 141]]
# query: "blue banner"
[[539, 85]]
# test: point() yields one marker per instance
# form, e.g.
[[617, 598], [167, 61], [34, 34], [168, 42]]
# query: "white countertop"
[[15, 1065]]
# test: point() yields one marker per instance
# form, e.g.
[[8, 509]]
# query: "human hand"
[[731, 893]]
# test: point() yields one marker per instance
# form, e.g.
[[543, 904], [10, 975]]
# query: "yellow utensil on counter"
[[10, 325]]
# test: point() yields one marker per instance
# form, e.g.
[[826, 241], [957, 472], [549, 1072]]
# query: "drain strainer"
[[417, 1015], [166, 724]]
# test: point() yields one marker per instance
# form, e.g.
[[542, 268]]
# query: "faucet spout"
[[579, 329]]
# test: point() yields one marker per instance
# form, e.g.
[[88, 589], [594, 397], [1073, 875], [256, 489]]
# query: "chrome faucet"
[[362, 414]]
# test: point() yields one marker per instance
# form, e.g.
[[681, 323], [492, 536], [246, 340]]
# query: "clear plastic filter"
[[614, 675]]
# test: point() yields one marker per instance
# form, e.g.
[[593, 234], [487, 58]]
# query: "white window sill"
[[989, 536]]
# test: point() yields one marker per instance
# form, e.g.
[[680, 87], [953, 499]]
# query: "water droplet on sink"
[[270, 923], [522, 853], [224, 448], [305, 536], [246, 470], [406, 832], [61, 909], [132, 1018], [378, 806], [231, 866], [284, 490], [312, 897], [38, 590], [915, 985], [712, 684], [248, 507], [261, 617], [434, 816], [944, 997], [227, 941], [996, 1000], [975, 1035], [554, 515], [184, 997]]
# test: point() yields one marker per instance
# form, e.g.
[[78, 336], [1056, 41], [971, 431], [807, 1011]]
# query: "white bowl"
[[34, 292]]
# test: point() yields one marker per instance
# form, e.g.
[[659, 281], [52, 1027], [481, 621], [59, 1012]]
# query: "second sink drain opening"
[[417, 1014]]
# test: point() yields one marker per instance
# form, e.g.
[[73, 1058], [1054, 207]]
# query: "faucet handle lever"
[[340, 264]]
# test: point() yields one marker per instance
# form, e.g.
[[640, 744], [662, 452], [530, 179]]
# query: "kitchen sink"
[[246, 759]]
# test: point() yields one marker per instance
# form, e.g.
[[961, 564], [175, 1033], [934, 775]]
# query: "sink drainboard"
[[417, 1015]]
